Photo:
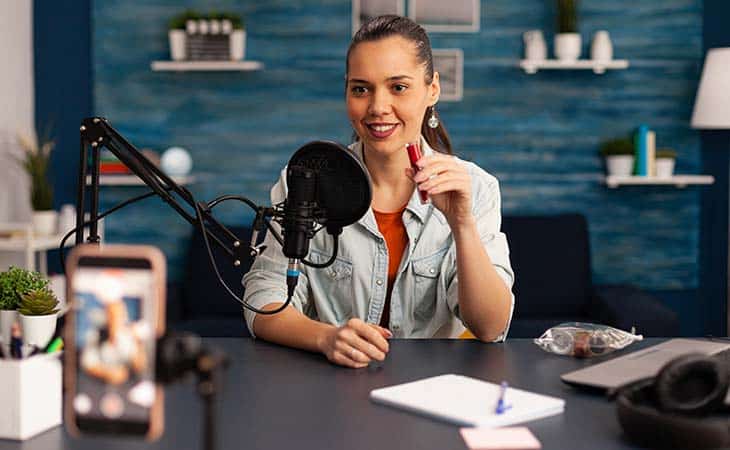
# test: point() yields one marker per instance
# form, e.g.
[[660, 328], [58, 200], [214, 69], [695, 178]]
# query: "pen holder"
[[30, 395]]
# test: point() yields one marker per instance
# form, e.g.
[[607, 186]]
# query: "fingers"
[[446, 182], [383, 331]]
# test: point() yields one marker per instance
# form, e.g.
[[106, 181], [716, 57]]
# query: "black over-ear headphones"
[[680, 408]]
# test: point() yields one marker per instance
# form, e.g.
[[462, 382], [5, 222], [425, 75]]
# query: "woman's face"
[[387, 94]]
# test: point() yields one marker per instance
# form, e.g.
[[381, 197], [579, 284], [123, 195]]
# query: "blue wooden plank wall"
[[538, 134]]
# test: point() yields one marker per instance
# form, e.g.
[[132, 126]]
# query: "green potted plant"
[[35, 161], [38, 313], [619, 156], [13, 283], [567, 40], [665, 162]]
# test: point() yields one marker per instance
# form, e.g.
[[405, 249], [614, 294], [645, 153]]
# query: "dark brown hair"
[[385, 26]]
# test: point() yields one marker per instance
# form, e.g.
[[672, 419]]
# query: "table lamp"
[[712, 105]]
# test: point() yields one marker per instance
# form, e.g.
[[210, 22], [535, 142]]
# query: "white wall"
[[16, 103]]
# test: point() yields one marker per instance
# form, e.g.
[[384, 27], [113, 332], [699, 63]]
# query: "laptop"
[[641, 364]]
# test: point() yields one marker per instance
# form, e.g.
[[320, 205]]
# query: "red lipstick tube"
[[414, 154]]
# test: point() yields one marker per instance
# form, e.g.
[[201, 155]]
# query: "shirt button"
[[431, 270], [333, 274], [379, 282]]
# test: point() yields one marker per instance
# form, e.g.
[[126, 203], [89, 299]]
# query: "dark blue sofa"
[[550, 256]]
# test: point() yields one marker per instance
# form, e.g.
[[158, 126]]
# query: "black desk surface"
[[279, 398]]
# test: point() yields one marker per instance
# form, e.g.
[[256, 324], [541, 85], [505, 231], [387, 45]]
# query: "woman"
[[406, 269]]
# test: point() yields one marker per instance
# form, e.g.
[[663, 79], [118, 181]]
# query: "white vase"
[[237, 41], [665, 167], [620, 165], [38, 330], [535, 47], [45, 222], [601, 47], [177, 39], [7, 319], [567, 46]]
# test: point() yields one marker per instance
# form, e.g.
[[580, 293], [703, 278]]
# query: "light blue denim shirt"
[[424, 302]]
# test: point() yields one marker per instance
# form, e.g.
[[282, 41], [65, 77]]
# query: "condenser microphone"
[[328, 186]]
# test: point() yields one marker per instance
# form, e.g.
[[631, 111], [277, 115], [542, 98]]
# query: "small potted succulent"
[[665, 162], [237, 37], [177, 34], [619, 156], [567, 41], [36, 160], [13, 283], [38, 313]]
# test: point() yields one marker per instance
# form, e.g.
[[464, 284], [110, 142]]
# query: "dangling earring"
[[433, 121]]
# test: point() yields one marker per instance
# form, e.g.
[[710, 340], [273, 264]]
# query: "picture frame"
[[364, 10], [453, 16], [449, 63]]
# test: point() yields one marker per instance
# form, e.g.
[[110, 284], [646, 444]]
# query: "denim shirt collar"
[[414, 206]]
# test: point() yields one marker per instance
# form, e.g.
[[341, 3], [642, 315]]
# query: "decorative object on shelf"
[[601, 47], [176, 161], [207, 37], [665, 162], [66, 218], [712, 105], [567, 40], [38, 313], [535, 46], [35, 161], [364, 10], [15, 282], [449, 63], [645, 147], [619, 156]]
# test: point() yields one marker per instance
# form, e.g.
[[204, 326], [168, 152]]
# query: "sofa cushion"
[[550, 256]]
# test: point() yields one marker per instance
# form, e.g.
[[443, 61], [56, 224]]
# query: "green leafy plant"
[[35, 161], [618, 146], [15, 282], [666, 153], [236, 20], [567, 16], [38, 302], [178, 22]]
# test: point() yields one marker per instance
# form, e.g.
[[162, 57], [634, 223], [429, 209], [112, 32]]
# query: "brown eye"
[[358, 90], [400, 88]]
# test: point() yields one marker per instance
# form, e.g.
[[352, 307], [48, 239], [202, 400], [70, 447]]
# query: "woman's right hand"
[[355, 344]]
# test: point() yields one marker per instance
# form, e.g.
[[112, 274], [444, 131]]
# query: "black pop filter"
[[343, 190]]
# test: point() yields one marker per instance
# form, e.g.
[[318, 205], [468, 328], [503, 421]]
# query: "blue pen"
[[502, 406]]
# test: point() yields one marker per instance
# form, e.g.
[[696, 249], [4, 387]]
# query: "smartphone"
[[414, 154], [117, 314]]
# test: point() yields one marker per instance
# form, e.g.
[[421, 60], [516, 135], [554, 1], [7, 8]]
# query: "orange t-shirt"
[[394, 231]]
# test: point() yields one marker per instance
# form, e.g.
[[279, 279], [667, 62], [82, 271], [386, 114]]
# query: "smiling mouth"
[[381, 130]]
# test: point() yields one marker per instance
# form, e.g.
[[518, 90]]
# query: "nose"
[[380, 103]]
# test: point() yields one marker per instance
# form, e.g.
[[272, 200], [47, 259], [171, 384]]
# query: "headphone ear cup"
[[649, 427], [693, 384]]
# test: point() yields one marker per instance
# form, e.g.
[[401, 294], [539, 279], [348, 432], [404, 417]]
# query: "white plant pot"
[[45, 223], [665, 167], [620, 165], [567, 46], [601, 47], [38, 330], [178, 40], [237, 41], [7, 319]]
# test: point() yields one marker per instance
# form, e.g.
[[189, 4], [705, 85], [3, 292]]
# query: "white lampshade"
[[712, 106]]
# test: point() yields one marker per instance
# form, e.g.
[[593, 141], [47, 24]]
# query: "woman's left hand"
[[448, 184]]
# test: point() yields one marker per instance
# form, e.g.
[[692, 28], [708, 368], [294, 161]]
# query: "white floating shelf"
[[205, 66], [134, 180], [679, 181], [598, 67]]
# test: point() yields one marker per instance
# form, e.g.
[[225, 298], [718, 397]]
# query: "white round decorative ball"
[[176, 161]]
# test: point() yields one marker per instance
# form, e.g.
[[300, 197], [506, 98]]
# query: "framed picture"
[[453, 16], [364, 10], [449, 63]]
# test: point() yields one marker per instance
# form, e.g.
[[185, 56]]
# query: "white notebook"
[[467, 401]]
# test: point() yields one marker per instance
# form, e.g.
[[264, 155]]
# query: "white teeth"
[[382, 128]]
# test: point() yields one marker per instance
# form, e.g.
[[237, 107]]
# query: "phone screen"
[[115, 339]]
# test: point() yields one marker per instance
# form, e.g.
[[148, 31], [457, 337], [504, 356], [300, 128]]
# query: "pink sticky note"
[[512, 438]]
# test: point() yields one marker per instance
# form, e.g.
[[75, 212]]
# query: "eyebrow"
[[393, 78]]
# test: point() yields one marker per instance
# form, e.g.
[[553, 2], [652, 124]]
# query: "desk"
[[280, 398]]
